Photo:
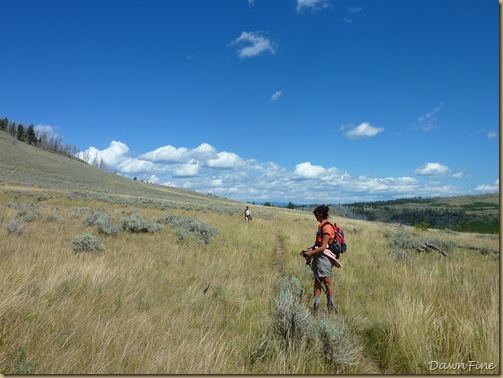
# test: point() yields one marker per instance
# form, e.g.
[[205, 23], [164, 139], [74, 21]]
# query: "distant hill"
[[23, 165], [478, 213]]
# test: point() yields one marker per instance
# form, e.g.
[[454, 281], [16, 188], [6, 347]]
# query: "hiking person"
[[247, 214], [321, 259]]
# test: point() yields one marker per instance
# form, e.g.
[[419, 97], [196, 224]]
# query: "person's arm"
[[310, 252]]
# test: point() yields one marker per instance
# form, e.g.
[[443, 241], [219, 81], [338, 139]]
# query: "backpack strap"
[[335, 237], [324, 224]]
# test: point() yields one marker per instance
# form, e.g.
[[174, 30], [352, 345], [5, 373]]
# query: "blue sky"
[[309, 101]]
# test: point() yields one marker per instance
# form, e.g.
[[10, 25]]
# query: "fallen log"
[[431, 246]]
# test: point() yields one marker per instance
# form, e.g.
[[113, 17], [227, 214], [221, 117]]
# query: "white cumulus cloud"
[[432, 169], [364, 130], [254, 44], [116, 156], [308, 171], [489, 188], [224, 160], [166, 154], [226, 174], [190, 169]]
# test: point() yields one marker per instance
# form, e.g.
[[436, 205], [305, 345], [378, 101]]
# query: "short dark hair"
[[322, 210]]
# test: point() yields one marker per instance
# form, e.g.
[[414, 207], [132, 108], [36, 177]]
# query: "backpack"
[[338, 245]]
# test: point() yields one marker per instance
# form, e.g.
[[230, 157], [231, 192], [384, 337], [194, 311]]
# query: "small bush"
[[27, 215], [15, 226], [183, 233], [338, 342], [403, 240], [87, 243], [55, 218], [191, 227], [197, 228], [290, 318], [103, 222], [173, 220], [424, 225], [15, 205], [136, 223]]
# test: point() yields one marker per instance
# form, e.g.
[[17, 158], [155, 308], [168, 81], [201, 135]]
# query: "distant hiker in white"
[[248, 216]]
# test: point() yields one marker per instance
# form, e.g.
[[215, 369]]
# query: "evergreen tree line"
[[28, 135], [42, 140], [455, 220]]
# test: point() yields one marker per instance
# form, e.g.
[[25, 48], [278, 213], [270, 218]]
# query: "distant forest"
[[431, 215], [428, 213]]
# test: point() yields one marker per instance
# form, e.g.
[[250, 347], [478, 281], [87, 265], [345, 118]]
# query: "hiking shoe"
[[316, 309], [331, 308]]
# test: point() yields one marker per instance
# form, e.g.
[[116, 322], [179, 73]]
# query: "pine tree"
[[12, 129], [31, 136], [21, 134], [4, 123]]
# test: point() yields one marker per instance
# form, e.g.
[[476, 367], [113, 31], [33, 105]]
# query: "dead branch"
[[429, 245]]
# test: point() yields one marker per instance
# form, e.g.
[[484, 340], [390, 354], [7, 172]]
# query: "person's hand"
[[306, 256]]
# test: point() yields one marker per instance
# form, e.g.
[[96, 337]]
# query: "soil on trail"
[[279, 253]]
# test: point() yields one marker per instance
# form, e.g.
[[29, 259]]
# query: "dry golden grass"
[[139, 307]]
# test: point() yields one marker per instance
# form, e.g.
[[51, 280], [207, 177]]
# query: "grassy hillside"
[[175, 282], [26, 166], [465, 213]]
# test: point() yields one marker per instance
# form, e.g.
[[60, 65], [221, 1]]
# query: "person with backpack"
[[321, 259], [247, 214]]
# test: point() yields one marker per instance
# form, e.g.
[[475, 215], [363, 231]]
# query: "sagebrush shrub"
[[15, 226], [292, 285], [136, 223], [103, 222], [403, 240], [199, 229], [105, 225], [183, 233], [339, 343], [290, 318], [15, 205], [190, 227], [87, 243], [55, 218], [173, 220], [27, 215]]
